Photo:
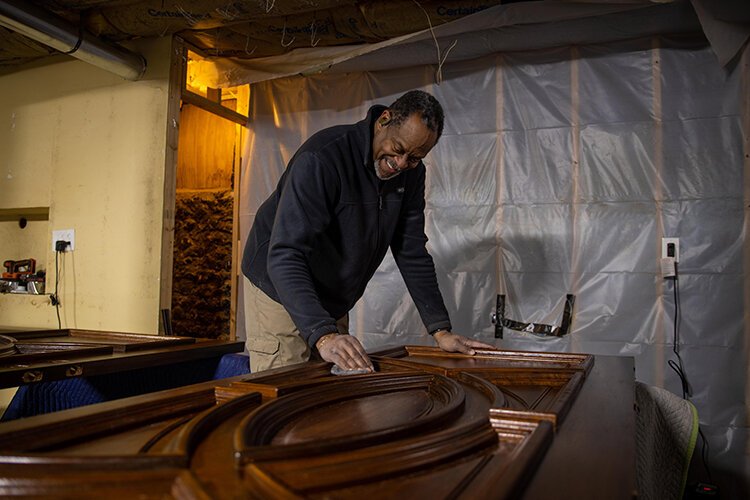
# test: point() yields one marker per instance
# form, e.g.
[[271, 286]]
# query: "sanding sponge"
[[337, 370]]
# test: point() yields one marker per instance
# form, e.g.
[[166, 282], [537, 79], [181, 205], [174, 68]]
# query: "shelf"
[[28, 213]]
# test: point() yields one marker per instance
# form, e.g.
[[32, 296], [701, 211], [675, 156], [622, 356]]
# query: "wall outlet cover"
[[68, 235], [665, 242]]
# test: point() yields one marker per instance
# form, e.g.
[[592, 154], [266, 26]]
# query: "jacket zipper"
[[377, 226]]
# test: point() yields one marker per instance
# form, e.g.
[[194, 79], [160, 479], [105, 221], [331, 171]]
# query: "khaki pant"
[[272, 339]]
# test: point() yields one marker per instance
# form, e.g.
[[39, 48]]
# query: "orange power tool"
[[18, 269]]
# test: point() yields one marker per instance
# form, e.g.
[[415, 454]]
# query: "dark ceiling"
[[251, 29], [241, 29]]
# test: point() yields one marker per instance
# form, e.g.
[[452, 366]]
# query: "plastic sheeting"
[[502, 28], [559, 172]]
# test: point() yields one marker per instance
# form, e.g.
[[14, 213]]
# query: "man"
[[348, 194]]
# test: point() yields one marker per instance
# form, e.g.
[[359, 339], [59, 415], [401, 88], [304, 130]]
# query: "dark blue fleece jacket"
[[321, 235]]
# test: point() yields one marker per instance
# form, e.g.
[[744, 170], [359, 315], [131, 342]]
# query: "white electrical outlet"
[[665, 248], [68, 235]]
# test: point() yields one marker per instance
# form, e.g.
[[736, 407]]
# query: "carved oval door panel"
[[361, 431]]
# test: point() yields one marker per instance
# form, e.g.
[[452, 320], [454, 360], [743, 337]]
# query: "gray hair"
[[422, 103]]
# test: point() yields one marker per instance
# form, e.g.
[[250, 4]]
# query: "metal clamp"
[[74, 371], [32, 376]]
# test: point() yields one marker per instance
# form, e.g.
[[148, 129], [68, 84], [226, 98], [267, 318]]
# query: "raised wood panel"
[[425, 425]]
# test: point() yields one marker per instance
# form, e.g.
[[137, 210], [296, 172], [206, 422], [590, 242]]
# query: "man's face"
[[396, 148]]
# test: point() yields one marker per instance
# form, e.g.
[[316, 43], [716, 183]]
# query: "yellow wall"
[[91, 147]]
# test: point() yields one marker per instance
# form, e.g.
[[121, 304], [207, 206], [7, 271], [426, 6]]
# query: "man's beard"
[[384, 176]]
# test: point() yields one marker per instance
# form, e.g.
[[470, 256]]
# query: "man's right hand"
[[345, 351]]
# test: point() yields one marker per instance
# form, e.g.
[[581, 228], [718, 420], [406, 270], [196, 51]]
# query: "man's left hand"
[[451, 342]]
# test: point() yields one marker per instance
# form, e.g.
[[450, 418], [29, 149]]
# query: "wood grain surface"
[[427, 424]]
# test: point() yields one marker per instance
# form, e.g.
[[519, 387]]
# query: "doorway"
[[211, 137]]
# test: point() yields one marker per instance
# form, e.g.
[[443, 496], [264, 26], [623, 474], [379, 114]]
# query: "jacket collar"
[[365, 130]]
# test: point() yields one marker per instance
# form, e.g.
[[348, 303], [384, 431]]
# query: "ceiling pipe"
[[47, 28]]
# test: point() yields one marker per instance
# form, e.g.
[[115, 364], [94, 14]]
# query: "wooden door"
[[427, 424]]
